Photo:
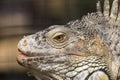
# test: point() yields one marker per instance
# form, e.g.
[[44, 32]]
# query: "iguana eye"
[[59, 37]]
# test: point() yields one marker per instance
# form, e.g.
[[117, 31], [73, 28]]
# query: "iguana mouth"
[[23, 56]]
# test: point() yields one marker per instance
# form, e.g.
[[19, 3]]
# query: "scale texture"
[[85, 49]]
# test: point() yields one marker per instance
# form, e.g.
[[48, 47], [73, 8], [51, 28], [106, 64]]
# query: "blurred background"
[[23, 17]]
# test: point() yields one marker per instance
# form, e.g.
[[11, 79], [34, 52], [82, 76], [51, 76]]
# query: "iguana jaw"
[[29, 60]]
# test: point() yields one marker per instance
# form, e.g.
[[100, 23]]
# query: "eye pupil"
[[59, 37]]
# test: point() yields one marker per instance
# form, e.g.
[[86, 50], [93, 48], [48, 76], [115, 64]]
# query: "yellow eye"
[[59, 37]]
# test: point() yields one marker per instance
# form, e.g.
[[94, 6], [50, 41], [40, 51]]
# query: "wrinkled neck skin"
[[74, 68], [42, 75]]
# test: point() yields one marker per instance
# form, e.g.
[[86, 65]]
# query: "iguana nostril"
[[25, 43]]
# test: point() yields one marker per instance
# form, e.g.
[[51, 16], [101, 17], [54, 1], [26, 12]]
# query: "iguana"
[[86, 49]]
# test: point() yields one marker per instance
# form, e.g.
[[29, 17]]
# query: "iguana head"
[[57, 42], [48, 42], [58, 47], [60, 51]]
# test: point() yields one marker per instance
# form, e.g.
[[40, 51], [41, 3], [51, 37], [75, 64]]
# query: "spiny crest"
[[106, 8], [99, 9], [112, 16], [97, 20]]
